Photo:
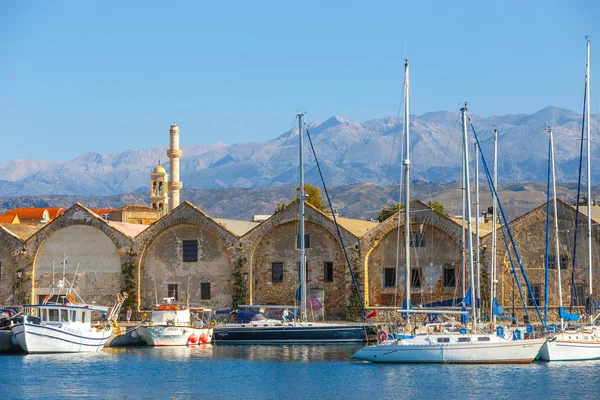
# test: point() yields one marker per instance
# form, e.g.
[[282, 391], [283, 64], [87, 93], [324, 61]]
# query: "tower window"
[[190, 251], [537, 289], [449, 276], [564, 261]]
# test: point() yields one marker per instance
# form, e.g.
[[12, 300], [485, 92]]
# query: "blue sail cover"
[[497, 308], [468, 299], [567, 316], [464, 318], [404, 307]]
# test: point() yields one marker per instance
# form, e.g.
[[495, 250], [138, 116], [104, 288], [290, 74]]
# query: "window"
[[417, 239], [205, 291], [536, 295], [564, 262], [328, 271], [83, 313], [389, 277], [53, 314], [415, 278], [172, 291], [306, 241], [190, 250], [444, 340], [449, 276], [73, 315], [277, 272], [305, 270], [464, 339], [64, 315], [578, 296], [483, 339]]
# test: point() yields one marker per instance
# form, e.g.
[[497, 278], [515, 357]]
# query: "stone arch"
[[12, 251], [161, 258], [99, 249]]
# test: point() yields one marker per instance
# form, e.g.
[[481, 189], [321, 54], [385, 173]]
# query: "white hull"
[[39, 338], [494, 352], [561, 348], [173, 335]]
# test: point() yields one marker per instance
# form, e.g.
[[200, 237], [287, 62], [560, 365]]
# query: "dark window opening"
[[483, 339], [190, 250], [417, 239], [444, 340], [306, 241], [205, 291], [449, 277], [173, 291], [415, 278], [389, 277], [328, 271], [564, 261], [537, 289], [277, 272]]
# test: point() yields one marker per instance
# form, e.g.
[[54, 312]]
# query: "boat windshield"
[[259, 317]]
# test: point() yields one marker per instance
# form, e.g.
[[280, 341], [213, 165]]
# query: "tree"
[[314, 198], [437, 206], [387, 212]]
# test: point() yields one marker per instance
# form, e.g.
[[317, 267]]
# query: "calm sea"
[[276, 372]]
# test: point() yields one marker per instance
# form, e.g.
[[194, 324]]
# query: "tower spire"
[[174, 154]]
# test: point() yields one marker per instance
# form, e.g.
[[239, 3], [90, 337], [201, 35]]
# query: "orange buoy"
[[204, 338], [193, 339]]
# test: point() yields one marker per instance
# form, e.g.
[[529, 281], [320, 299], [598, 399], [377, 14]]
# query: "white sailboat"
[[457, 346], [581, 344]]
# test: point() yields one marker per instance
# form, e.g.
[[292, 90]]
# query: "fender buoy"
[[71, 298], [382, 336], [212, 324], [193, 339], [204, 338]]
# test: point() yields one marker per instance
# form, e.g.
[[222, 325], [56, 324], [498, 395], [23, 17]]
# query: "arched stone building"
[[270, 252], [95, 253], [529, 234], [435, 259], [186, 255], [12, 254]]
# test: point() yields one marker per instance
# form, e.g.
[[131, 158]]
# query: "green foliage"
[[437, 206], [129, 281], [239, 284], [314, 198], [279, 207], [387, 212], [354, 312]]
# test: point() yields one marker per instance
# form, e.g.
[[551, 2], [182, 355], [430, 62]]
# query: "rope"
[[337, 227]]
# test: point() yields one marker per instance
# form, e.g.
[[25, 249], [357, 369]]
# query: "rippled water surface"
[[274, 372]]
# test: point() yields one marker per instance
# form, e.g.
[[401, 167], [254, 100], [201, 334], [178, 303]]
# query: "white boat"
[[580, 344], [65, 327], [172, 326]]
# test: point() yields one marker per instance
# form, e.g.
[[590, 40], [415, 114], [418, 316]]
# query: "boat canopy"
[[567, 316]]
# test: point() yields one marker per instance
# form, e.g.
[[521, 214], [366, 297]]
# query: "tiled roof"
[[135, 208], [9, 219], [131, 230], [28, 213], [239, 228], [357, 227], [100, 211], [23, 232]]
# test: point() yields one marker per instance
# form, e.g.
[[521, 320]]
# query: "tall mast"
[[468, 210], [589, 181], [463, 242], [494, 227], [478, 297], [406, 164], [557, 242], [301, 255]]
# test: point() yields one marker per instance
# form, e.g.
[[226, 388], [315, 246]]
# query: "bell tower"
[[159, 189]]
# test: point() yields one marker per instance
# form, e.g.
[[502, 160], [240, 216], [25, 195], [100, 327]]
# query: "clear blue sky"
[[107, 76]]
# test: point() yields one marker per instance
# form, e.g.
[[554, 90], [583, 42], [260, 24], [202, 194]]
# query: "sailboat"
[[253, 327], [457, 346], [571, 344]]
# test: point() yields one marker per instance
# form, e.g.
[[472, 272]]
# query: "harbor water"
[[275, 372]]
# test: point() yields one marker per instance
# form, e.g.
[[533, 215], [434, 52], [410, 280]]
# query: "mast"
[[406, 164], [464, 248], [560, 298], [477, 256], [589, 181], [494, 228], [468, 210], [301, 255]]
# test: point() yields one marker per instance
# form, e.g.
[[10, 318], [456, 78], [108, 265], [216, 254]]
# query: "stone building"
[[529, 234], [270, 255], [135, 215], [12, 254], [159, 189], [435, 259]]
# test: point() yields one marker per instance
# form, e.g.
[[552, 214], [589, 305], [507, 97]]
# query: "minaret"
[[159, 199], [174, 154]]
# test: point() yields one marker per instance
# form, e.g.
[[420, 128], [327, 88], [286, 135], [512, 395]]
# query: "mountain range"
[[348, 152]]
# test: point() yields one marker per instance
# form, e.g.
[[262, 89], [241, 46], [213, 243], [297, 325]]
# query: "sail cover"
[[567, 316]]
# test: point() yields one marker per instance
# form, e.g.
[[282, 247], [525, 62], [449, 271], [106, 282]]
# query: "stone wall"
[[10, 252]]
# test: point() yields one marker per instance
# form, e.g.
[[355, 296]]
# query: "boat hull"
[[570, 350], [174, 335], [39, 338], [290, 334], [510, 352]]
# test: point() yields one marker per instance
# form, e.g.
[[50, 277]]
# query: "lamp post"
[[19, 283], [246, 287]]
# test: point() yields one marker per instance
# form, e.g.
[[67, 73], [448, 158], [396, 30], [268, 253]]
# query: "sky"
[[108, 76]]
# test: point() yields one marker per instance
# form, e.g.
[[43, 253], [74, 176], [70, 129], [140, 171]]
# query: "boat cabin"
[[55, 314]]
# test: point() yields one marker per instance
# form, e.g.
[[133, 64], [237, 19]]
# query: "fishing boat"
[[256, 328], [574, 344], [65, 326], [464, 345], [172, 325]]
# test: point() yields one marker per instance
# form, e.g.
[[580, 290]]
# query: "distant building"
[[9, 219], [35, 216], [135, 215]]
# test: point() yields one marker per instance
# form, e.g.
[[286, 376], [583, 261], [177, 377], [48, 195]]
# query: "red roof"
[[36, 213], [100, 211], [8, 219]]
